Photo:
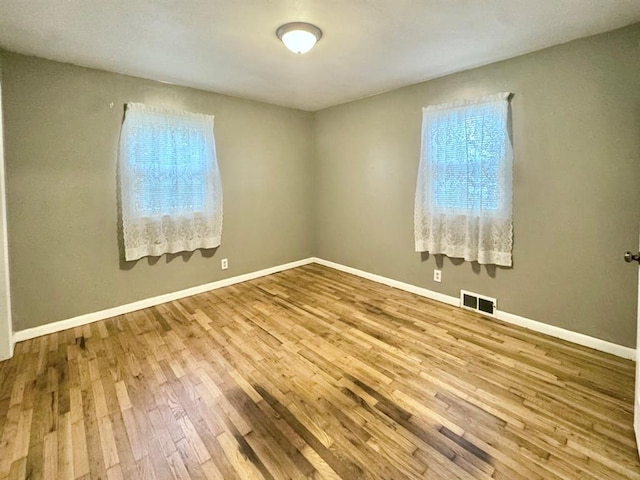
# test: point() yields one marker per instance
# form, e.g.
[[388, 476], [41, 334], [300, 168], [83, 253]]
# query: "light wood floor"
[[312, 373]]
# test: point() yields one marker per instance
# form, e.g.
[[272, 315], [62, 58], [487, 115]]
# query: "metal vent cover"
[[478, 303]]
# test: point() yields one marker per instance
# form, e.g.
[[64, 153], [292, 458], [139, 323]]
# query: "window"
[[170, 191], [463, 194]]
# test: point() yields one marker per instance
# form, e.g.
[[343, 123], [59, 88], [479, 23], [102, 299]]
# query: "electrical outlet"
[[224, 263], [437, 275]]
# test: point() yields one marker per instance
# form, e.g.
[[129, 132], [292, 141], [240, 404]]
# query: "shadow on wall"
[[170, 257], [475, 266]]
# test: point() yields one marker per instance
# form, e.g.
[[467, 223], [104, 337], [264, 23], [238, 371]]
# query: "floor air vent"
[[478, 303]]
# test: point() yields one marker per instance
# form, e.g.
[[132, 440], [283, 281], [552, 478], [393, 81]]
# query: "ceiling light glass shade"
[[299, 37], [299, 41]]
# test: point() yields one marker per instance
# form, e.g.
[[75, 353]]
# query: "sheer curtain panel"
[[463, 201], [170, 189]]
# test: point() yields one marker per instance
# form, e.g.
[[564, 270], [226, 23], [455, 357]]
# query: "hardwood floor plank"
[[80, 452], [50, 455], [65, 448]]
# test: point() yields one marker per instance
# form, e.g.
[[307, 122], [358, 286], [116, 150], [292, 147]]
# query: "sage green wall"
[[61, 133], [576, 133]]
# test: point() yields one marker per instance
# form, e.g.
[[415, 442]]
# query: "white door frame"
[[6, 328], [636, 401]]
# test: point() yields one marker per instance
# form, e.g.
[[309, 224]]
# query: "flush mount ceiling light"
[[299, 37]]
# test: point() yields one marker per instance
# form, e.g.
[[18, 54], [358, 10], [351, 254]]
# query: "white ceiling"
[[230, 46]]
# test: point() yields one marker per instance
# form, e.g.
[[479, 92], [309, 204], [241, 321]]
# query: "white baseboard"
[[578, 338], [148, 302], [557, 332]]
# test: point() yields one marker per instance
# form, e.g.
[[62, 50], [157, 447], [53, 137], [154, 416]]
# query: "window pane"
[[466, 148], [171, 165]]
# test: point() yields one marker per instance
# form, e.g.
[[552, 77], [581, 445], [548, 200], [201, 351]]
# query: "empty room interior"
[[305, 239]]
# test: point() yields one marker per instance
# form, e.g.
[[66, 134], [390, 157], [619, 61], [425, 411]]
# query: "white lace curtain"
[[170, 189], [463, 199]]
